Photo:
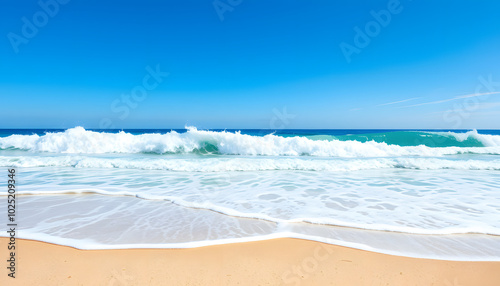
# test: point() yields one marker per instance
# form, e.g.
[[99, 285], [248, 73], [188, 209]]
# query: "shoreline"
[[281, 261], [417, 251]]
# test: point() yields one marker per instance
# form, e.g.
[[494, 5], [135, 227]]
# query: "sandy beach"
[[237, 142], [272, 262]]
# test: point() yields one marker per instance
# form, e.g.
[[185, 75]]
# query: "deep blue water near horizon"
[[255, 132]]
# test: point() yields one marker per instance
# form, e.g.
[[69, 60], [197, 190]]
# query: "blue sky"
[[250, 64]]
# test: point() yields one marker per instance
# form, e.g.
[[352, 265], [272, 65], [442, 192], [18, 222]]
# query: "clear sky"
[[250, 64]]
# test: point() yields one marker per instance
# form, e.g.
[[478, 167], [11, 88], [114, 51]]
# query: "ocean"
[[418, 193]]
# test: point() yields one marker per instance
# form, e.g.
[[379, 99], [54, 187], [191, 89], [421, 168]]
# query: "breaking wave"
[[80, 141]]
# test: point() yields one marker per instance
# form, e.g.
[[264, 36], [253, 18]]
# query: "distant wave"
[[248, 164], [80, 141], [415, 138]]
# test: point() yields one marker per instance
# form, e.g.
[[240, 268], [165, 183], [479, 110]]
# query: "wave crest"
[[80, 141]]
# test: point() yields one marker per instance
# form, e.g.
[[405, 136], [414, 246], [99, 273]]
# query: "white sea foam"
[[249, 163], [79, 140], [79, 222], [460, 228]]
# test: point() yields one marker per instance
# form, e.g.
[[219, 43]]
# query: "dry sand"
[[272, 262]]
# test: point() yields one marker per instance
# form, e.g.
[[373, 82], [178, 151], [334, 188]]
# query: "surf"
[[80, 141]]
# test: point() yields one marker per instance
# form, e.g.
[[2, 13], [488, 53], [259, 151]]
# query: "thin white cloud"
[[401, 101], [488, 105], [451, 99], [479, 106]]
